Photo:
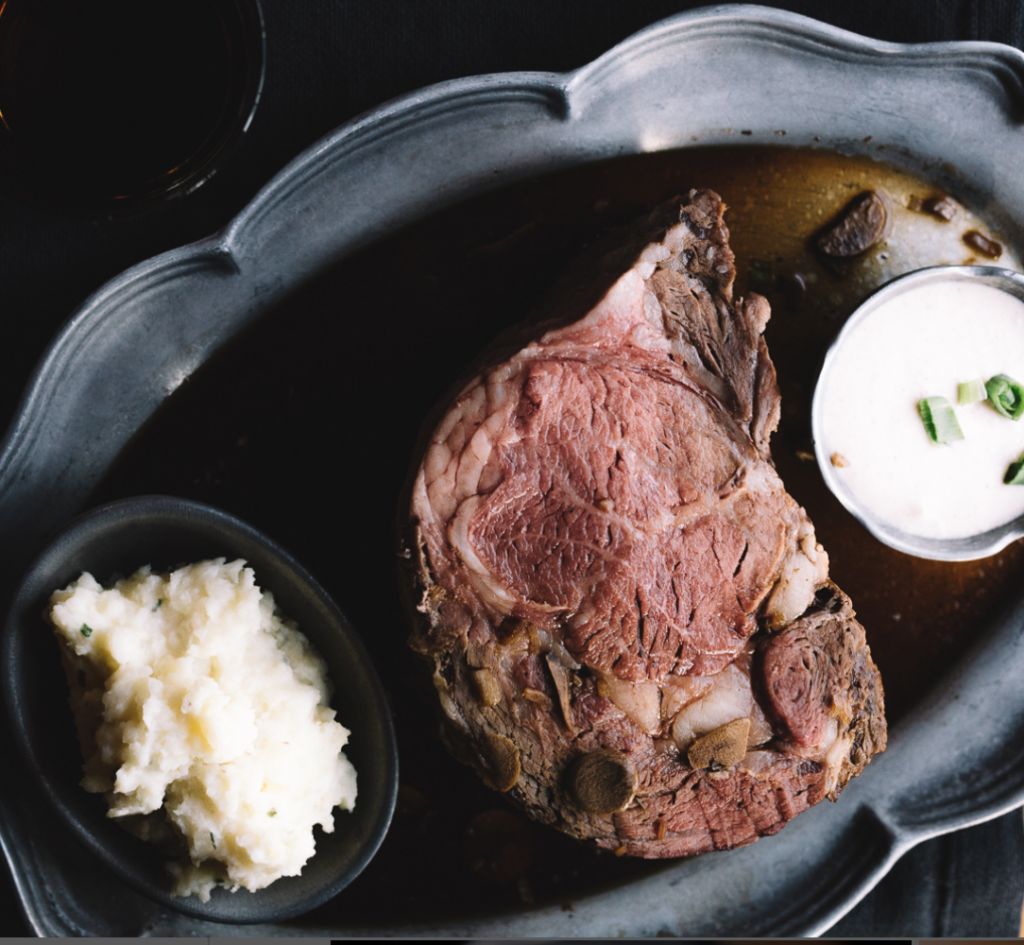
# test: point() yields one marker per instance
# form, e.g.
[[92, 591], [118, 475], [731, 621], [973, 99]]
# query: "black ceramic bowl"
[[165, 532]]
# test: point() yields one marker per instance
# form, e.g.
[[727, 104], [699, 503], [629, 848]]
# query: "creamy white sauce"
[[923, 343]]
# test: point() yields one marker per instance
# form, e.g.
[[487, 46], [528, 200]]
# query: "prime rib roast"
[[628, 621]]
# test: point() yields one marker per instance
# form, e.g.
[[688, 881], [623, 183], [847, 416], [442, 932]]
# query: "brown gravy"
[[305, 426]]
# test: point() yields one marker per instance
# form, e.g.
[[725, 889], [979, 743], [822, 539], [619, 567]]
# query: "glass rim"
[[247, 77]]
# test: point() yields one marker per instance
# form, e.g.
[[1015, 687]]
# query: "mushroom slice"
[[560, 676], [862, 224], [501, 762], [722, 748], [603, 781]]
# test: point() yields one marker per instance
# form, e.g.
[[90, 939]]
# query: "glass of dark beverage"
[[108, 104]]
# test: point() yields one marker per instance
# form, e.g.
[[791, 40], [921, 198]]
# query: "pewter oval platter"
[[730, 75]]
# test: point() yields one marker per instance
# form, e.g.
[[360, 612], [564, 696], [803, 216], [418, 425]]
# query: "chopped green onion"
[[971, 392], [271, 813], [939, 420], [214, 842], [1015, 473], [156, 606], [1006, 395], [86, 630]]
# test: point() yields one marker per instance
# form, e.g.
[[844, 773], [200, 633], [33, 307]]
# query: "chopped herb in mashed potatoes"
[[190, 694]]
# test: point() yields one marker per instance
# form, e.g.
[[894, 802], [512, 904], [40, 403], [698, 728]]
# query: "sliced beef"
[[628, 620]]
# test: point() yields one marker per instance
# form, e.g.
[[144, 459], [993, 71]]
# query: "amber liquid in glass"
[[108, 99]]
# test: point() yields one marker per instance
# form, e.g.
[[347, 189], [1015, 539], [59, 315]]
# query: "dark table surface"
[[330, 60]]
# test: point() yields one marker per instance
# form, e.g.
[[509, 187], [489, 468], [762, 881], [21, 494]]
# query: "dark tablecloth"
[[330, 60]]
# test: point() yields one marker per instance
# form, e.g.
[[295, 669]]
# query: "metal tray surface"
[[700, 77]]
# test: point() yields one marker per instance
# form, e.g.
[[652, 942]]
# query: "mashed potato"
[[191, 694]]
